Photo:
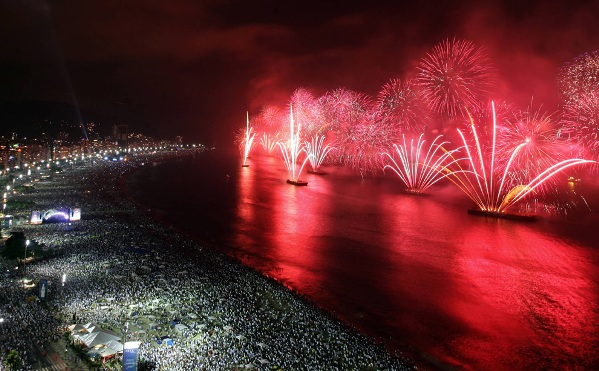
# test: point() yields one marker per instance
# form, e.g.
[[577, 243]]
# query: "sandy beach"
[[144, 281]]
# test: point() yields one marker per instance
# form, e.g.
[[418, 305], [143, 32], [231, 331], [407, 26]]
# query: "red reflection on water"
[[491, 294], [299, 221], [245, 204], [419, 272], [521, 290]]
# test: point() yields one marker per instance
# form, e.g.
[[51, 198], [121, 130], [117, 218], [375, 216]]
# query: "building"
[[120, 133]]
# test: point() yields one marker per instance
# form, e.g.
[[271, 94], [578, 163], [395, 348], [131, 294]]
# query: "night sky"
[[193, 68]]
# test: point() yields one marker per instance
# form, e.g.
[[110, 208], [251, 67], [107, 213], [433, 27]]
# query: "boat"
[[500, 215], [297, 182]]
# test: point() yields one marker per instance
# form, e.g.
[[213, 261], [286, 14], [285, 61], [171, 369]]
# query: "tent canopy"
[[114, 345], [77, 328], [96, 338]]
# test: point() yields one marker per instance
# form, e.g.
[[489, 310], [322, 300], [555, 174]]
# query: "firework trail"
[[291, 151], [400, 103], [419, 168], [248, 140], [317, 152], [494, 190], [454, 77], [269, 142]]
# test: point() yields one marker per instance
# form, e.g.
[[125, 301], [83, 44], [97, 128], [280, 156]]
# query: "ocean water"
[[415, 272]]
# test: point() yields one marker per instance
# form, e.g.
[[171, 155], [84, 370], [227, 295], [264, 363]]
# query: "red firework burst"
[[581, 124], [308, 112], [272, 120], [400, 104], [360, 138], [579, 78], [543, 146], [455, 76], [486, 176]]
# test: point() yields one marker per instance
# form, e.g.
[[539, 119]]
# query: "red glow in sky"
[[193, 68]]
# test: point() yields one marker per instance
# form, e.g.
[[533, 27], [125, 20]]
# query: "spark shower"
[[412, 128]]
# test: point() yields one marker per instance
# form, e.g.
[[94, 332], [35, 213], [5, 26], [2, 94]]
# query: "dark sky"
[[193, 67]]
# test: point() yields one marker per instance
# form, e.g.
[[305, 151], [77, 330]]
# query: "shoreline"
[[255, 304], [413, 356], [374, 326]]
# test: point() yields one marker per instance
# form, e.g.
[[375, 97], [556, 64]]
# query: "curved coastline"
[[114, 218], [417, 359], [230, 194]]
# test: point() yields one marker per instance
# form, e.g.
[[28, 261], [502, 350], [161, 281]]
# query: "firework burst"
[[580, 77], [419, 168], [492, 187], [272, 120], [539, 132], [308, 111], [454, 77], [317, 152], [400, 103], [581, 124], [360, 137]]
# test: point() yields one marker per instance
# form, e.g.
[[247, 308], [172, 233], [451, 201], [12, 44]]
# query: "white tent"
[[96, 338], [114, 345]]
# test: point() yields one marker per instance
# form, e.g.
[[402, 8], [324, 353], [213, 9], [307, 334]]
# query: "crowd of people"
[[127, 273]]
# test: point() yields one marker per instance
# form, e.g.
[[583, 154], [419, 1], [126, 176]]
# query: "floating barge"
[[297, 182], [495, 214]]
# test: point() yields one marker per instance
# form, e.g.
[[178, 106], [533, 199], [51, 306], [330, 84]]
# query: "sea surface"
[[449, 289]]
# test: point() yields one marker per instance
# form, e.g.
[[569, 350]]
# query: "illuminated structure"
[[36, 218], [120, 134], [75, 214], [61, 215]]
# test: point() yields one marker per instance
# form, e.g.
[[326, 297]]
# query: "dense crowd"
[[138, 278]]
